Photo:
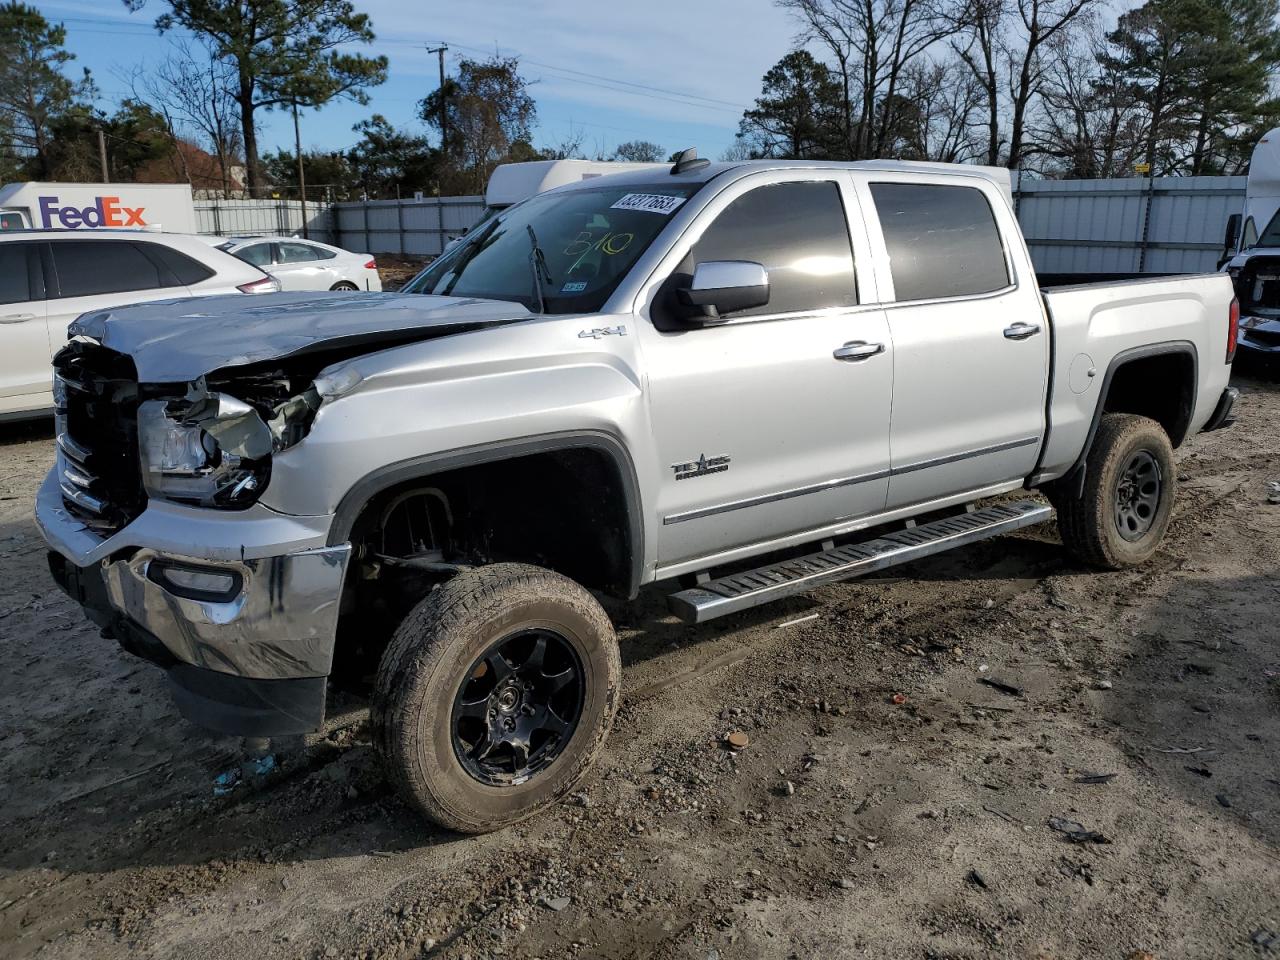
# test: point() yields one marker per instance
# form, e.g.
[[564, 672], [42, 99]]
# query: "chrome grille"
[[95, 393]]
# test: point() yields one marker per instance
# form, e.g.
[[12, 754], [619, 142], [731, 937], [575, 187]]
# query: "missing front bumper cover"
[[251, 665]]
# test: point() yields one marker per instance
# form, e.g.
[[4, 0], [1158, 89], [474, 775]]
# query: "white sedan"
[[306, 264]]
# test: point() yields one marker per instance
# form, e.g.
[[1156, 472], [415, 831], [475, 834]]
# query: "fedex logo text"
[[106, 212]]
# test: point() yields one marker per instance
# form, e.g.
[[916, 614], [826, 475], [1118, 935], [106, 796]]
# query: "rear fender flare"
[[1074, 478]]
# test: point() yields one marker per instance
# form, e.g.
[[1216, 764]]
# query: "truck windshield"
[[1270, 236], [560, 252]]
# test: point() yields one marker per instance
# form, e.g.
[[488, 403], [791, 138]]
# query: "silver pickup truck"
[[741, 379]]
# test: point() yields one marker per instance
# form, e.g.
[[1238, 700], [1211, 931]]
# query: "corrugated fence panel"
[[276, 218], [413, 227], [1130, 225]]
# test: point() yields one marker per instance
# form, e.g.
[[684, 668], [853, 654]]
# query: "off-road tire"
[[429, 658], [1088, 524]]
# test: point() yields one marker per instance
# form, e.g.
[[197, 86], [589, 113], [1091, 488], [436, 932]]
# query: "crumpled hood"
[[181, 340]]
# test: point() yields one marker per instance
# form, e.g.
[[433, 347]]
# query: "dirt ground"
[[395, 270], [851, 826]]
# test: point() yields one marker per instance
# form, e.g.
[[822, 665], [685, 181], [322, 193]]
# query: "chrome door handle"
[[1020, 331], [857, 350], [16, 317]]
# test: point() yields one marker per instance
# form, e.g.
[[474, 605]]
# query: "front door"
[[775, 421], [971, 345]]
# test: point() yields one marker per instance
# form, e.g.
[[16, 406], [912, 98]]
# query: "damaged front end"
[[212, 446], [247, 643], [207, 443], [1257, 286]]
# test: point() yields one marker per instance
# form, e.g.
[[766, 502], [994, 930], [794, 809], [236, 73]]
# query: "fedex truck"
[[86, 206]]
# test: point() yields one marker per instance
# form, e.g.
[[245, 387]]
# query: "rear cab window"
[[943, 240]]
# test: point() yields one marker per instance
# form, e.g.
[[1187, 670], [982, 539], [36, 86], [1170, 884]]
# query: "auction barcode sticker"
[[649, 203]]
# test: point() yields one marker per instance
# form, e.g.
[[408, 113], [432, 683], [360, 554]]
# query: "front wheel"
[[495, 695], [1124, 512]]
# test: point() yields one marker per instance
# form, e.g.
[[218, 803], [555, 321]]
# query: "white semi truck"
[[87, 206]]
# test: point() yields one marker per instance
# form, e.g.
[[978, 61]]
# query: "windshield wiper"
[[538, 264]]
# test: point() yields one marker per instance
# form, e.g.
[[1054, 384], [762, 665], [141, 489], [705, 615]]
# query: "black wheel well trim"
[[1075, 477], [383, 478]]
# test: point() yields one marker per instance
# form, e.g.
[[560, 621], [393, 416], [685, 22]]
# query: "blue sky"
[[677, 72]]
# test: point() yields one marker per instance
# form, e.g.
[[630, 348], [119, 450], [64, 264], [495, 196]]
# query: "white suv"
[[50, 277]]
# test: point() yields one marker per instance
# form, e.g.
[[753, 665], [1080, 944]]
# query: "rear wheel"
[[344, 285], [1121, 518], [495, 695]]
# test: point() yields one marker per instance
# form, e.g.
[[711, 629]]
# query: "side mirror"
[[1233, 235], [724, 286]]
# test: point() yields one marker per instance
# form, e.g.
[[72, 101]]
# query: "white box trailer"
[[85, 206]]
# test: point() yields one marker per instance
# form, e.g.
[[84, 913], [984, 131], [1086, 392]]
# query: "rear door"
[[298, 266], [25, 374], [101, 273], [970, 342]]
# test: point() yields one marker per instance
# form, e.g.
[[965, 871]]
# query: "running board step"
[[740, 591]]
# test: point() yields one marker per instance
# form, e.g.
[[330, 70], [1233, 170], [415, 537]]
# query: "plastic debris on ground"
[[251, 768], [1076, 832]]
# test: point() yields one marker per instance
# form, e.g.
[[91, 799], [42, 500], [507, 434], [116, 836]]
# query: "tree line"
[[1176, 87]]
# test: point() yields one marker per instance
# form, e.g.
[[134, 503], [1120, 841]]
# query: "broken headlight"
[[213, 450]]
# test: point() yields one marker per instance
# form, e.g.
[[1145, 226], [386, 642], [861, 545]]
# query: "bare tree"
[[979, 44], [1040, 32], [1090, 125], [942, 106], [195, 92], [872, 42]]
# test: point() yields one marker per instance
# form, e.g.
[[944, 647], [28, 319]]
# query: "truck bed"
[[1096, 324]]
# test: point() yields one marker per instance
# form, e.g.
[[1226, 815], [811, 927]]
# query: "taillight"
[[371, 265], [1233, 329], [264, 285]]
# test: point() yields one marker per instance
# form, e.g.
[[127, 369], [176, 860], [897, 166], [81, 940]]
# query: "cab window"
[[942, 240], [798, 232]]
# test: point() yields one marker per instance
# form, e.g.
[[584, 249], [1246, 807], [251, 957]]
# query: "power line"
[[626, 83]]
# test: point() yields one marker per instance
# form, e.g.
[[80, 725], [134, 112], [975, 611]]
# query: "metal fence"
[[281, 218], [407, 227], [1132, 225]]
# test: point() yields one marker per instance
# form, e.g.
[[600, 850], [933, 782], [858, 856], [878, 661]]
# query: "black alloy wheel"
[[518, 707]]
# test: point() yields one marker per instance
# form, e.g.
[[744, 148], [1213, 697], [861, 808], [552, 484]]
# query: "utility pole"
[[302, 179], [444, 113], [102, 154]]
